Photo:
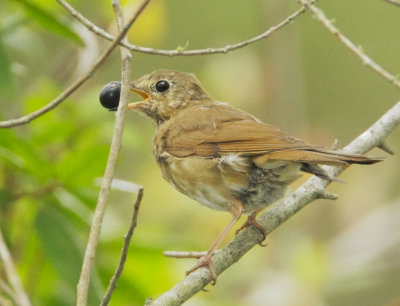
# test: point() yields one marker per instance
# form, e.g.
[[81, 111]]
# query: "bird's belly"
[[219, 182], [205, 180], [267, 185]]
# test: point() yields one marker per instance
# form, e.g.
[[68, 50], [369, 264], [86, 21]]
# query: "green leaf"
[[59, 244], [23, 155], [49, 22], [81, 166], [58, 239]]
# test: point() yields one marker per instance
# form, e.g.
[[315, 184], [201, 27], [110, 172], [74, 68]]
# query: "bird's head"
[[165, 93]]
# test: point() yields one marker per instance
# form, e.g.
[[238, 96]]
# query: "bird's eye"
[[162, 86]]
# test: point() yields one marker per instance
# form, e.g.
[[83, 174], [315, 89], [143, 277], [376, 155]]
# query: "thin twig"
[[327, 195], [74, 86], [178, 254], [20, 295], [4, 301], [395, 2], [278, 213], [7, 290], [83, 284], [126, 57], [99, 31], [124, 252], [384, 147], [367, 61]]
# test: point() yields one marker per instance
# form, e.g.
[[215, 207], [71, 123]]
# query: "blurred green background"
[[301, 79]]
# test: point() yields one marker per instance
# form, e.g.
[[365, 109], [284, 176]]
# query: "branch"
[[396, 2], [279, 213], [74, 86], [178, 254], [5, 302], [8, 291], [19, 294], [367, 61], [124, 252], [99, 31], [126, 57], [83, 284]]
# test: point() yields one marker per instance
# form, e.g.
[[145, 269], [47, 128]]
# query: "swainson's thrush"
[[221, 156]]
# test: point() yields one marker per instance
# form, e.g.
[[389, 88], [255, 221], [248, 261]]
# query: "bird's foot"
[[251, 221], [206, 262]]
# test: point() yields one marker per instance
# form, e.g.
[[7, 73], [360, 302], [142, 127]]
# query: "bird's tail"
[[316, 156], [311, 158]]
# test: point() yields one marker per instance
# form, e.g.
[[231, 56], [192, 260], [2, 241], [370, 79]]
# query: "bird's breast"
[[214, 182]]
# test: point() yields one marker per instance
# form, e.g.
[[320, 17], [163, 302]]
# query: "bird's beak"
[[145, 95]]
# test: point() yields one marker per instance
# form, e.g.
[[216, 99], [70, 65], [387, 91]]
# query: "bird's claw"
[[251, 221], [206, 262]]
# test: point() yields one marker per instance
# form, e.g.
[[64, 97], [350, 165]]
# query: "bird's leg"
[[251, 220], [206, 261]]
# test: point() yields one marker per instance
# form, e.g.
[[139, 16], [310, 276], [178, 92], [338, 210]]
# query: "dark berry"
[[109, 95], [162, 86]]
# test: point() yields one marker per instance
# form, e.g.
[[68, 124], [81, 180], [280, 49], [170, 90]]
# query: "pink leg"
[[206, 261]]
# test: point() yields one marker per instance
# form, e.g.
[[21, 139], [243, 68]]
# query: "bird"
[[222, 156]]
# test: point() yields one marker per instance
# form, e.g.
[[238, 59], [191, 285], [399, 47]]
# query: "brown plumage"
[[222, 156]]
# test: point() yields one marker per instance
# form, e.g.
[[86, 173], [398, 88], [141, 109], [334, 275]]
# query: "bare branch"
[[327, 195], [19, 295], [124, 252], [8, 291], [278, 213], [178, 254], [74, 86], [83, 284], [395, 2], [99, 31], [126, 57], [4, 301], [367, 61], [384, 147]]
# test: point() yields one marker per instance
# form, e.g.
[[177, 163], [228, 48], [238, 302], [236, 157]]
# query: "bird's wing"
[[243, 136], [240, 133]]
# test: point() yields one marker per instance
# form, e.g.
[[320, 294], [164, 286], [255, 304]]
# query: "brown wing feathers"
[[246, 136]]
